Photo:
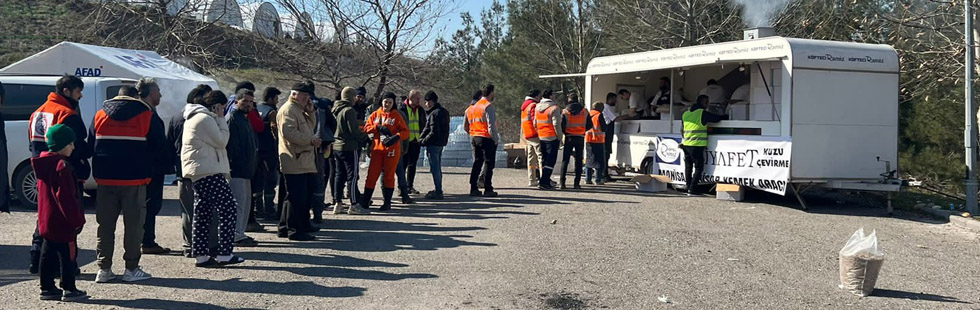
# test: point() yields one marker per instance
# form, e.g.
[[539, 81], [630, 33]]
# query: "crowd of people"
[[230, 154]]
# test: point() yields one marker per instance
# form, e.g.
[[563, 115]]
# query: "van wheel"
[[25, 186]]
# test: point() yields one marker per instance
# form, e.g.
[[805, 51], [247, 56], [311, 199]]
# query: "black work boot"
[[387, 193], [366, 198], [406, 199]]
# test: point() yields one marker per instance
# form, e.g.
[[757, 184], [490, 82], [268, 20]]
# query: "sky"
[[452, 22]]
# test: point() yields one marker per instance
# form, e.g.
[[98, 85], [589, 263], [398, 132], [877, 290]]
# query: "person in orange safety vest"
[[574, 123], [547, 121], [595, 140], [529, 135], [481, 123]]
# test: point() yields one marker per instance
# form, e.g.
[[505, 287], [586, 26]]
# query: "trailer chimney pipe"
[[970, 139]]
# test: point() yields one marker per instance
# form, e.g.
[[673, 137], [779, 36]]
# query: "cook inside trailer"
[[818, 113]]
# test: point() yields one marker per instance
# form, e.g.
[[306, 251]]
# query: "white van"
[[24, 94]]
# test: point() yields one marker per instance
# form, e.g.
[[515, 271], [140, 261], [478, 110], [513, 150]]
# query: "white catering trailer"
[[817, 113]]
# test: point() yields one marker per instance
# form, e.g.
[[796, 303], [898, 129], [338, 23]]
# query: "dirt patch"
[[564, 301]]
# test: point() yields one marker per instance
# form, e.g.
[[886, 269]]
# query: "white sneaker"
[[136, 275], [104, 275], [357, 210], [338, 208]]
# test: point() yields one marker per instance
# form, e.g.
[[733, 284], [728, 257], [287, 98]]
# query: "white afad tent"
[[89, 60]]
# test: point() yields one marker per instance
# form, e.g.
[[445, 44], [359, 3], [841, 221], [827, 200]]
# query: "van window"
[[112, 92], [22, 99]]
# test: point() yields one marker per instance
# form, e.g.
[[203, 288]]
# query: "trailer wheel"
[[25, 186], [646, 166]]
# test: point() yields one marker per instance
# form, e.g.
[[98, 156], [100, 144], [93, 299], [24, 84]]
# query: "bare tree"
[[643, 25], [388, 29]]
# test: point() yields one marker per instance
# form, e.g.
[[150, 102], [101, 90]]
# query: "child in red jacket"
[[59, 215]]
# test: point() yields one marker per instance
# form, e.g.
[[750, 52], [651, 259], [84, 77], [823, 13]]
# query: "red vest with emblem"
[[52, 112], [595, 135]]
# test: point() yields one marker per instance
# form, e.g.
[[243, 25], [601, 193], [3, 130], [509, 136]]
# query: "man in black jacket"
[[435, 136], [242, 157], [326, 124], [163, 163], [267, 173]]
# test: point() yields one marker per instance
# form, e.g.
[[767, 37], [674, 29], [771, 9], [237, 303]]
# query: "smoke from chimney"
[[759, 13]]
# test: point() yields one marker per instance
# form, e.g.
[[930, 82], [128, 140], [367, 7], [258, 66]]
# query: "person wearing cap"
[[61, 107], [388, 129], [435, 137], [297, 152], [59, 215], [349, 137], [360, 103]]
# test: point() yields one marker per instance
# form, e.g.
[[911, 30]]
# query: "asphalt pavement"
[[599, 247]]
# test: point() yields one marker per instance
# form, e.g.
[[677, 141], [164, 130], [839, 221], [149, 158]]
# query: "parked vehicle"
[[25, 94]]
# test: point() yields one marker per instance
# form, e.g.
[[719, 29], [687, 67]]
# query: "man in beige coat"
[[297, 144]]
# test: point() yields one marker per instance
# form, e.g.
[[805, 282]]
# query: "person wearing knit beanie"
[[59, 137]]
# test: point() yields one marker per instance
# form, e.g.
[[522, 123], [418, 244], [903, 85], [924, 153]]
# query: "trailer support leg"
[[799, 195], [889, 206]]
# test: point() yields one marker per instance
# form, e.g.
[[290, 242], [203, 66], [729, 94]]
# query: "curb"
[[953, 217]]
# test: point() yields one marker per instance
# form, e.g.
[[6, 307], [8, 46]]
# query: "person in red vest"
[[481, 123], [595, 139], [126, 143], [61, 107], [547, 121], [574, 124], [529, 135]]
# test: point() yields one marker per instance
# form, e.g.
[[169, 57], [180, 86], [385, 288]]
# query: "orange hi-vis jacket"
[[476, 116], [52, 112], [595, 135], [544, 126], [393, 121], [527, 120], [576, 123]]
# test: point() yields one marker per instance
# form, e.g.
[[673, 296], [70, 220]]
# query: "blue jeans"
[[400, 174], [434, 153]]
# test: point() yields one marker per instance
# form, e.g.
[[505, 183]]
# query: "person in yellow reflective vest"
[[695, 141]]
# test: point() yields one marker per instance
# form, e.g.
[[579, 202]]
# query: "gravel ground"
[[601, 247]]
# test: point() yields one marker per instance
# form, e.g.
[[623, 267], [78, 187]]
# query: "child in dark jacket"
[[59, 215]]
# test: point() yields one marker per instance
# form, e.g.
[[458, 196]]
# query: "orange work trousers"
[[382, 161]]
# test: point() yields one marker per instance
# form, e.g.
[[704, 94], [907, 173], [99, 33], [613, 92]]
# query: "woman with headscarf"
[[388, 128]]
